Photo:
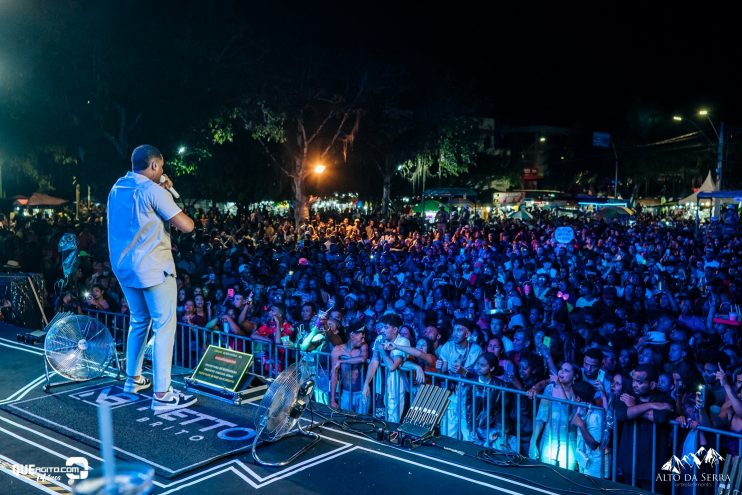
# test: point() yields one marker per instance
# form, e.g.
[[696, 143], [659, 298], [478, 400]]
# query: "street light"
[[705, 113], [181, 150], [720, 148], [319, 168], [680, 118], [719, 141]]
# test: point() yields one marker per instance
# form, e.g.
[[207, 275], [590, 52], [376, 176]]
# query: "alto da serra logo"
[[701, 456]]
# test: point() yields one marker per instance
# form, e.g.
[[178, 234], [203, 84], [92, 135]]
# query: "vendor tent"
[[708, 186], [450, 192], [460, 203], [429, 205], [39, 199], [720, 196], [521, 215], [729, 196], [614, 212]]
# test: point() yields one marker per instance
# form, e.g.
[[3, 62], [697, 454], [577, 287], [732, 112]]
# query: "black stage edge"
[[344, 462], [173, 443]]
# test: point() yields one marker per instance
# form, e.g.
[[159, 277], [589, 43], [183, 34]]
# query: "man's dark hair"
[[527, 334], [584, 391], [391, 319], [142, 155], [357, 327], [595, 353], [465, 322], [650, 370], [311, 305]]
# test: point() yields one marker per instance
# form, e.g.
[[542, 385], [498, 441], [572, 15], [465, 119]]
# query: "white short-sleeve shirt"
[[138, 232]]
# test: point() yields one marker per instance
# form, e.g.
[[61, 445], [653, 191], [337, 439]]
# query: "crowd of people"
[[639, 322]]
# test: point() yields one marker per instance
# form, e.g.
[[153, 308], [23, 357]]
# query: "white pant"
[[395, 396], [156, 305], [454, 421]]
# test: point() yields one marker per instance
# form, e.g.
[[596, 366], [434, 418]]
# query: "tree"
[[387, 129], [447, 153], [91, 81], [296, 129]]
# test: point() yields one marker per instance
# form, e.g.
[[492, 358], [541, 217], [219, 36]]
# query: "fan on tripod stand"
[[78, 348], [281, 408], [289, 395]]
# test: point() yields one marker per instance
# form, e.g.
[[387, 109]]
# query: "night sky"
[[523, 63], [549, 62]]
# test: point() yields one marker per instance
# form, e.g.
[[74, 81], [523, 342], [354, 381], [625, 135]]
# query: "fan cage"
[[78, 347], [273, 411]]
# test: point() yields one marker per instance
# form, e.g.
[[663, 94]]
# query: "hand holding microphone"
[[168, 184]]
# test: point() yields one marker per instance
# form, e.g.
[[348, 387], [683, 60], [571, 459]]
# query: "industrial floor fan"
[[78, 348]]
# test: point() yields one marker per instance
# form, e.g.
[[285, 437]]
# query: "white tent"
[[708, 186]]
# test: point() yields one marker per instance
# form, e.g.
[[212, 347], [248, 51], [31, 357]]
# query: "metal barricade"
[[722, 443], [508, 428]]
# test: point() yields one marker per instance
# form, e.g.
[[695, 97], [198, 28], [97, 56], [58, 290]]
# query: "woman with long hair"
[[408, 332], [328, 287], [628, 358], [202, 310], [489, 427], [181, 302], [190, 316], [553, 440], [506, 367]]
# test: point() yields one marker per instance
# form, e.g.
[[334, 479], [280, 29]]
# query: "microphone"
[[170, 189]]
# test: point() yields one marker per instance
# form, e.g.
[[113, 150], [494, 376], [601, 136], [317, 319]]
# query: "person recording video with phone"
[[141, 207]]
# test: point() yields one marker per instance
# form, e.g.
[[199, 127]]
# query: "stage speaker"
[[25, 291]]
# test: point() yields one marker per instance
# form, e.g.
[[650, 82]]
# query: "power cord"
[[504, 458], [350, 422], [515, 459], [501, 458]]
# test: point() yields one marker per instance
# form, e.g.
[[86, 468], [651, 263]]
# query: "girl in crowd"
[[190, 316], [506, 366], [181, 302], [489, 427], [192, 336], [553, 439], [620, 387], [201, 309], [628, 358], [408, 332], [271, 331], [328, 288]]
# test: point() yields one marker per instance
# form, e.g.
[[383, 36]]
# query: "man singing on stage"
[[139, 210]]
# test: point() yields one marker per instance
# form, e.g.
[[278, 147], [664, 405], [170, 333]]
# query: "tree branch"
[[337, 133], [272, 157], [301, 138], [321, 126]]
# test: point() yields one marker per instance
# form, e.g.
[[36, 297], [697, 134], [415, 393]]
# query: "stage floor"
[[343, 462]]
